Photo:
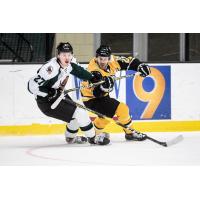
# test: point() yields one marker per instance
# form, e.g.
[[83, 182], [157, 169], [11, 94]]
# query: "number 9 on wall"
[[150, 97]]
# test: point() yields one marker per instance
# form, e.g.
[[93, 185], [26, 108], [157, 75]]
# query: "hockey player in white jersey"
[[47, 85]]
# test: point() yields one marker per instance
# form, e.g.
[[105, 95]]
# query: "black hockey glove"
[[96, 77], [144, 70], [53, 94], [107, 86], [104, 88]]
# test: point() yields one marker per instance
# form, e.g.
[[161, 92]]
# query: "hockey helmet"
[[64, 47], [104, 51]]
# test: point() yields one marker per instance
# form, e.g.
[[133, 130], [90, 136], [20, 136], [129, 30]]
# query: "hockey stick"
[[99, 83], [58, 100], [64, 92], [91, 85], [165, 144]]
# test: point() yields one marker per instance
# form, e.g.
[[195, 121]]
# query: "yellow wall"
[[152, 126]]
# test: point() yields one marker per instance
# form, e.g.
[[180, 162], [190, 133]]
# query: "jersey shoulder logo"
[[124, 59], [49, 69]]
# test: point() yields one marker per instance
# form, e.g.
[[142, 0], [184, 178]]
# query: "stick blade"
[[175, 140]]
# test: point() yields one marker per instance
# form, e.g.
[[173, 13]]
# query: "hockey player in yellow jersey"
[[105, 65]]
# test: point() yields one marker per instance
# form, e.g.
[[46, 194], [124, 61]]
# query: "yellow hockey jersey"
[[116, 63]]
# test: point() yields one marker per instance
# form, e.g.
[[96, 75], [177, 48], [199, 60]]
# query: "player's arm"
[[135, 64], [83, 74], [104, 88]]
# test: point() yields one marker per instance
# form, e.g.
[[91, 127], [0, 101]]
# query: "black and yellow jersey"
[[115, 64]]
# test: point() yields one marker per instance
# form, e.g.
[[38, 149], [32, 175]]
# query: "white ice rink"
[[52, 150]]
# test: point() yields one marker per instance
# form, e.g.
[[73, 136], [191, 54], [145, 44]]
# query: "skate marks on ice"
[[52, 150], [34, 152], [40, 152]]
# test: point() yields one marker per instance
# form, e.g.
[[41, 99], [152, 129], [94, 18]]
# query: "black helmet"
[[64, 47], [104, 51]]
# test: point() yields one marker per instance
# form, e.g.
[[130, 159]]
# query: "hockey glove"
[[96, 77], [53, 94], [144, 70], [107, 86]]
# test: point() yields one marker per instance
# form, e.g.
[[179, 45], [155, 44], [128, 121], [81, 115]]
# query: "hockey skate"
[[76, 140], [135, 136], [99, 140]]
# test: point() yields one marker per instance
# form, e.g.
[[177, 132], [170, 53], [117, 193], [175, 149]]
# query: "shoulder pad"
[[124, 59], [49, 70]]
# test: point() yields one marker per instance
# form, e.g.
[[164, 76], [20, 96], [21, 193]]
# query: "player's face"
[[65, 58], [103, 61]]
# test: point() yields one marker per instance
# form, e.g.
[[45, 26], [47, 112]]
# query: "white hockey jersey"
[[51, 75]]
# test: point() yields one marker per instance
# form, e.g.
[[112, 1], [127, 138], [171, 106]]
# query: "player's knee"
[[122, 110], [82, 117], [100, 123], [122, 113]]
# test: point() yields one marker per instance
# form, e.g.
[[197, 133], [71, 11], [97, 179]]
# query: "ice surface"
[[52, 150]]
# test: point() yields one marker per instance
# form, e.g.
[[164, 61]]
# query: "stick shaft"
[[98, 83], [59, 99], [118, 123], [81, 87]]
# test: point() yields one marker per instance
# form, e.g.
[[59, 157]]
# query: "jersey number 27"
[[39, 80]]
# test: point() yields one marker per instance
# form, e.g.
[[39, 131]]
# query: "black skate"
[[99, 139], [76, 140], [136, 136]]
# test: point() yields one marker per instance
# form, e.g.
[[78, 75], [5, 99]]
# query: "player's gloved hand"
[[96, 77], [144, 70], [108, 85], [53, 94]]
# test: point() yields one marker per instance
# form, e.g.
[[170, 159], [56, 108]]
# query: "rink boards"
[[168, 100]]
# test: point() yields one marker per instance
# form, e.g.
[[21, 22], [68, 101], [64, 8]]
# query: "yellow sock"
[[100, 124]]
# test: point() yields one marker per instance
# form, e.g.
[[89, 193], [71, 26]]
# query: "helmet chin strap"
[[104, 68], [61, 65], [66, 65]]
